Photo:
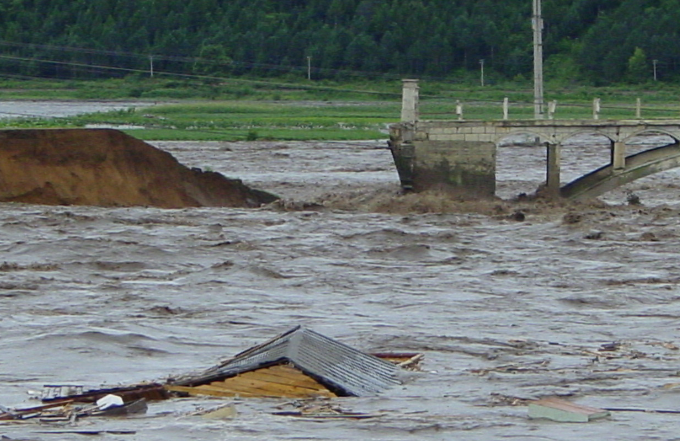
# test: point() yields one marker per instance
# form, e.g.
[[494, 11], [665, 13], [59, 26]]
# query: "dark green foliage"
[[585, 40]]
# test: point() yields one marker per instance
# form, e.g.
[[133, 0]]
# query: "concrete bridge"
[[460, 156]]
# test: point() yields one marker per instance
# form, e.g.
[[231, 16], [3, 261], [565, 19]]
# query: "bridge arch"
[[558, 137], [512, 180], [543, 137], [583, 132], [562, 136], [650, 132]]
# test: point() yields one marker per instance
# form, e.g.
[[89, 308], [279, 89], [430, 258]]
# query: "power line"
[[200, 77], [227, 64]]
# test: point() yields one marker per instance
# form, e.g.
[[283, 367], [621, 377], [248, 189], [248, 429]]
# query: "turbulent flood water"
[[509, 301]]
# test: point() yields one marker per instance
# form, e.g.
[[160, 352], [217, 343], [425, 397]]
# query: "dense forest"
[[588, 41]]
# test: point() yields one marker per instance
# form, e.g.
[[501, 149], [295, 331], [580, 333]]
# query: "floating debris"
[[69, 410], [299, 363], [560, 410], [321, 409], [70, 393], [221, 413]]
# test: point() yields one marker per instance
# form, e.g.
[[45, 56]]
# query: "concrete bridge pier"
[[431, 156], [618, 156], [553, 170]]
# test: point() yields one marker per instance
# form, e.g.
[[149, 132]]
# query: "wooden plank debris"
[[272, 381], [212, 392], [560, 410]]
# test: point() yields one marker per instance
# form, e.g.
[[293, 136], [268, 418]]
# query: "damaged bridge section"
[[459, 156]]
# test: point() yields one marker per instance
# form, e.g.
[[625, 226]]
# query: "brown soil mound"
[[106, 167]]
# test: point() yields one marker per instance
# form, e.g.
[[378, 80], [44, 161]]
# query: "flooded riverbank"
[[59, 109], [579, 301]]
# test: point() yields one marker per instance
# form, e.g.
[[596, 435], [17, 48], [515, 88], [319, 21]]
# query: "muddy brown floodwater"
[[579, 301]]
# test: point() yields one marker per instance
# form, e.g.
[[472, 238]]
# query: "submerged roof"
[[332, 363]]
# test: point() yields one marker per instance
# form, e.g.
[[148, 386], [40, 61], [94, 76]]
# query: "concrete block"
[[456, 137]]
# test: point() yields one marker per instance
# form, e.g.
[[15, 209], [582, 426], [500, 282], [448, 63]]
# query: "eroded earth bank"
[[108, 168]]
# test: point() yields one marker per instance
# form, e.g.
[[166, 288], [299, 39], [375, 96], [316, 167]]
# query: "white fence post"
[[552, 106], [596, 108]]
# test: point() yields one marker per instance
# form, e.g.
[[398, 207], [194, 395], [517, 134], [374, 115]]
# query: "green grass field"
[[273, 110]]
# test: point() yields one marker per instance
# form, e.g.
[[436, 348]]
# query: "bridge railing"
[[495, 110], [427, 108]]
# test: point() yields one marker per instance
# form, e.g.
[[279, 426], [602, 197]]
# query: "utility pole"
[[537, 24], [309, 68], [481, 69]]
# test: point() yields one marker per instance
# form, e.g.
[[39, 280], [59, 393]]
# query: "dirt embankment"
[[106, 167]]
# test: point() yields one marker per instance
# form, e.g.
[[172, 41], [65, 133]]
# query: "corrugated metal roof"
[[335, 364]]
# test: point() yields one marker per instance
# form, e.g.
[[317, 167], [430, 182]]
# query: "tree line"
[[589, 41]]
